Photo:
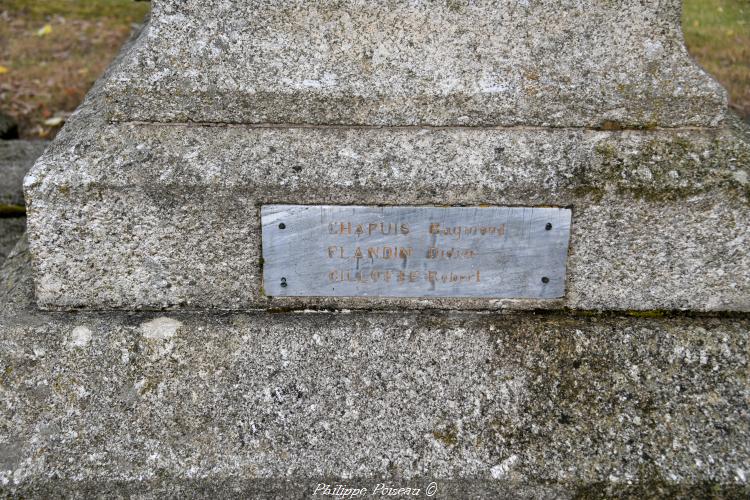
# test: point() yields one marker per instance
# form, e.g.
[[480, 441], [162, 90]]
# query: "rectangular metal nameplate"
[[361, 251]]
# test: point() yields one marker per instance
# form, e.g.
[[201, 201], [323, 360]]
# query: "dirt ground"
[[52, 51]]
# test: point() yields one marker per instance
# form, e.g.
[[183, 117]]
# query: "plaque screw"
[[283, 282], [548, 227], [282, 226], [545, 280]]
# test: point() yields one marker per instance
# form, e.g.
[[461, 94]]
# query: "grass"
[[44, 75], [717, 33], [78, 9]]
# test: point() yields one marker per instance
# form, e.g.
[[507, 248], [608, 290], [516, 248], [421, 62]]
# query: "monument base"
[[148, 215], [231, 404], [152, 216]]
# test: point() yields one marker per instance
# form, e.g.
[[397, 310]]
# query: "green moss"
[[656, 487], [677, 168], [647, 314], [12, 210], [606, 150], [149, 386], [448, 436], [588, 191], [455, 5]]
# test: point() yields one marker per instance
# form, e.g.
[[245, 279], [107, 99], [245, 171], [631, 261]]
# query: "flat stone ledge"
[[270, 489], [583, 63], [153, 216], [129, 401]]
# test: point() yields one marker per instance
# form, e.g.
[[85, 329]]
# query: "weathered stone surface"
[[168, 215], [16, 158], [161, 215], [133, 215], [124, 402], [582, 63]]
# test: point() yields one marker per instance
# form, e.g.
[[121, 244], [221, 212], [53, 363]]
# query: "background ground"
[[51, 51]]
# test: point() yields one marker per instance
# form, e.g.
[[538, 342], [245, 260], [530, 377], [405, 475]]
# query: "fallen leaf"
[[53, 122], [45, 30], [3, 70]]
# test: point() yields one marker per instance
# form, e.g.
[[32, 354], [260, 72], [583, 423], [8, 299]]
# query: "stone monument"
[[470, 248]]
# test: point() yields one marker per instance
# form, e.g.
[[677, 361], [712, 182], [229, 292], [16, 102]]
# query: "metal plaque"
[[368, 251]]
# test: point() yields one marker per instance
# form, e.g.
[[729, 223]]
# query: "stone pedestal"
[[179, 374], [273, 404]]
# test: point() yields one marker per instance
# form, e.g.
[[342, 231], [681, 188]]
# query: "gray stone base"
[[150, 216], [266, 404], [147, 215]]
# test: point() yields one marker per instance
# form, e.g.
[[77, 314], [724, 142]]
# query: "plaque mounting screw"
[[548, 227], [545, 280], [282, 226], [283, 282]]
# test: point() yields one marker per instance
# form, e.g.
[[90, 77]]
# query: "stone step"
[[151, 196], [547, 405], [155, 215], [582, 63]]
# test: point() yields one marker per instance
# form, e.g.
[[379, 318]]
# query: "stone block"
[[228, 405], [132, 215], [150, 196], [172, 373], [582, 63]]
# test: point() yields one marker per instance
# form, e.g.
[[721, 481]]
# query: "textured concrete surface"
[[16, 158], [484, 404], [134, 215], [218, 404], [159, 215], [571, 63]]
